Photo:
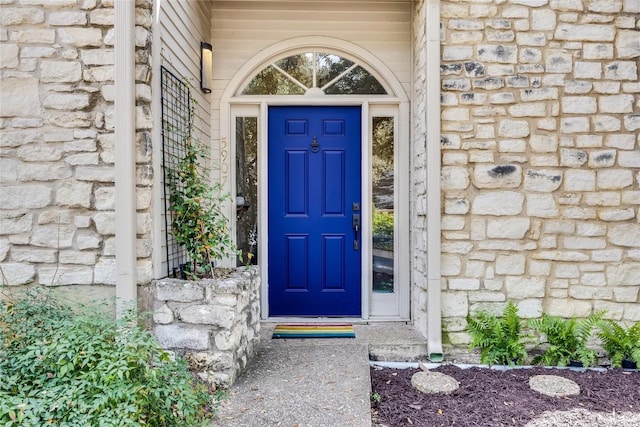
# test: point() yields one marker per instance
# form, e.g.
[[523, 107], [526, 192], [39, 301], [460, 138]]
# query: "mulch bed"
[[496, 398]]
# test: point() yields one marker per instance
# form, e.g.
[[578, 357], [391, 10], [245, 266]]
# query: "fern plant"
[[620, 343], [499, 339], [566, 339]]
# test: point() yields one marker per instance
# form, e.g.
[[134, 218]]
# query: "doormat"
[[314, 331]]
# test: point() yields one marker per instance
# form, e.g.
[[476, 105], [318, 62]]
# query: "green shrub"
[[620, 343], [566, 339], [198, 222], [382, 223], [85, 369], [499, 339]]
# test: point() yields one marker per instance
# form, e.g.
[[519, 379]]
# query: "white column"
[[125, 160], [159, 255], [434, 203]]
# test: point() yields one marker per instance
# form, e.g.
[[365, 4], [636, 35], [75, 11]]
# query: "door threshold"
[[321, 320]]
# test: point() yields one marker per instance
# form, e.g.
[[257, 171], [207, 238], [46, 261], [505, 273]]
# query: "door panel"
[[314, 182], [297, 187], [333, 175], [297, 259]]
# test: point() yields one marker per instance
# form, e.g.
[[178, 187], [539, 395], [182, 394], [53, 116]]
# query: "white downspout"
[[434, 203], [125, 160]]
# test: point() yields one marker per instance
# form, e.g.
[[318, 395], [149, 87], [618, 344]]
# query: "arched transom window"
[[314, 73]]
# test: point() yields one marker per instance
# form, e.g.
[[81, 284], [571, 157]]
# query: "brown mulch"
[[496, 398]]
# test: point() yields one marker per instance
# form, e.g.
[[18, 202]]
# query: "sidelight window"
[[383, 196], [247, 188]]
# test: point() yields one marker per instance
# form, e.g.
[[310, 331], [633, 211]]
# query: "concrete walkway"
[[302, 383]]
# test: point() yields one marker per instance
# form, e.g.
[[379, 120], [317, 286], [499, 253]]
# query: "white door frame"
[[396, 106]]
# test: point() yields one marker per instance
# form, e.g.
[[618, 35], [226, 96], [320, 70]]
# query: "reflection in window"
[[270, 81], [382, 172], [300, 67], [329, 67], [314, 73], [356, 82], [247, 188]]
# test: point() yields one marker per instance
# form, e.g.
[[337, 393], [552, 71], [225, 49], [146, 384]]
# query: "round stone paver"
[[553, 385], [434, 382]]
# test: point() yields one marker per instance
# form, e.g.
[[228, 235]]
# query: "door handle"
[[355, 222]]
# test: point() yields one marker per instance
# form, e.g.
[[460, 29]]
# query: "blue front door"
[[314, 211]]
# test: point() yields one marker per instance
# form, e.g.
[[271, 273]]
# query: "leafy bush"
[[382, 223], [500, 340], [62, 368], [620, 343], [198, 222], [566, 339], [196, 205]]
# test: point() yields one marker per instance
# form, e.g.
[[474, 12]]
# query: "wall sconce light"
[[206, 66]]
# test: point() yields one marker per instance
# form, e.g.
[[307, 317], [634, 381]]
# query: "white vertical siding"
[[182, 26], [242, 28]]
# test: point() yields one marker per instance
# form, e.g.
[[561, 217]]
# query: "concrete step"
[[386, 341], [392, 342]]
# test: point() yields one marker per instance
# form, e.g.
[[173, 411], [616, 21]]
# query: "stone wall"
[[56, 142], [215, 324], [541, 158]]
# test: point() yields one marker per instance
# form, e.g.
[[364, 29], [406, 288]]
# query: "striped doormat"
[[314, 331]]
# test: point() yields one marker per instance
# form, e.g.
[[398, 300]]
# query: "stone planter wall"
[[213, 323]]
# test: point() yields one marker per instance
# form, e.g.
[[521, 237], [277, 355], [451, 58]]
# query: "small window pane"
[[300, 67], [329, 67], [382, 172], [247, 188], [272, 82], [356, 82]]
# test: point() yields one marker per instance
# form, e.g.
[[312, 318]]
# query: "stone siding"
[[57, 219], [540, 159], [215, 324]]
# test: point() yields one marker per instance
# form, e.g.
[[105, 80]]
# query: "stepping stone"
[[434, 382], [553, 385]]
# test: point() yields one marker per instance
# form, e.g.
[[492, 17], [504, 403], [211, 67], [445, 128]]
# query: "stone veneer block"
[[585, 32], [20, 97], [176, 336], [178, 290], [498, 203]]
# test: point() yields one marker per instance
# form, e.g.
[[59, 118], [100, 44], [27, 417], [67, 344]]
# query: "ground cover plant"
[[82, 368]]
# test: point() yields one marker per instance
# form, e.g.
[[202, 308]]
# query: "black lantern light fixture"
[[206, 66]]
